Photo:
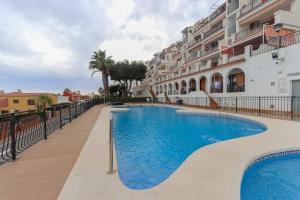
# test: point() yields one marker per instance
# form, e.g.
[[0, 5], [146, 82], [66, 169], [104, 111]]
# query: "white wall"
[[62, 99], [263, 76]]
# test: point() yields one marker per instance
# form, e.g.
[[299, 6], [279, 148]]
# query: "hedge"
[[101, 100]]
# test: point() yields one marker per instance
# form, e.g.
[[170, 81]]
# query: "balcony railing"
[[252, 6], [245, 33], [176, 54], [174, 66], [216, 89], [192, 57], [278, 42], [200, 24], [213, 30], [236, 88], [218, 12], [192, 43], [206, 52]]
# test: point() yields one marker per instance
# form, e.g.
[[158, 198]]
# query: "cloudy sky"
[[45, 45]]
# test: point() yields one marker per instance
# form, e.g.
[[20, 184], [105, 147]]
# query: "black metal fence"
[[19, 131], [287, 108]]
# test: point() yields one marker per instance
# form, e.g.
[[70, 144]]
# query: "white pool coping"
[[212, 172]]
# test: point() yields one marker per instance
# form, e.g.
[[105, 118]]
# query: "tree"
[[43, 101], [125, 72], [101, 91], [101, 63], [67, 90], [116, 90]]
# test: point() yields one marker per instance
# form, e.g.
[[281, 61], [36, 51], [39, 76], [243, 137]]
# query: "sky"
[[46, 45]]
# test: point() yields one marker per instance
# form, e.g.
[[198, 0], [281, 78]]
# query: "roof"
[[21, 94]]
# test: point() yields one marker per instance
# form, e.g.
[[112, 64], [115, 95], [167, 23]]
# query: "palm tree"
[[43, 101], [100, 63]]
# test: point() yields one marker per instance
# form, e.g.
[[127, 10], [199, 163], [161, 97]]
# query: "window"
[[30, 102], [16, 101]]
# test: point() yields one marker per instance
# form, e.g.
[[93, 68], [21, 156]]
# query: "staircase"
[[151, 91], [212, 103], [168, 101]]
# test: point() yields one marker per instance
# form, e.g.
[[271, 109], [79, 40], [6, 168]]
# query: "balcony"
[[236, 88], [192, 57], [216, 89], [218, 12], [200, 24], [206, 53], [193, 43], [249, 33], [213, 30], [174, 66], [177, 55], [278, 42], [252, 6]]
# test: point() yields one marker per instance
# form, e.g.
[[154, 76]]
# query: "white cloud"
[[138, 40], [43, 41], [119, 11], [50, 55]]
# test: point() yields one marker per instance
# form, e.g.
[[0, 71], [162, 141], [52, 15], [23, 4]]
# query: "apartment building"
[[19, 101], [243, 48]]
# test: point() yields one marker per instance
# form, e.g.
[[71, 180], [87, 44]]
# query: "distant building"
[[63, 99], [72, 96], [19, 101]]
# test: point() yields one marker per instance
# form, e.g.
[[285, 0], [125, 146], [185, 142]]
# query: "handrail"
[[252, 6], [19, 131]]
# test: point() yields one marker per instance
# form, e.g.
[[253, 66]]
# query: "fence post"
[[111, 150], [292, 107], [76, 110], [13, 137], [259, 106], [70, 113], [236, 104], [45, 123], [60, 118]]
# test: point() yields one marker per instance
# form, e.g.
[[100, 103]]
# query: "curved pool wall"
[[153, 141], [274, 176]]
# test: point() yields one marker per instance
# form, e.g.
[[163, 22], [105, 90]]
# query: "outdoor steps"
[[151, 91], [168, 101], [212, 102]]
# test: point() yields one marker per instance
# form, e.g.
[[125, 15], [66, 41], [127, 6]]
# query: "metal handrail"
[[252, 6], [19, 131]]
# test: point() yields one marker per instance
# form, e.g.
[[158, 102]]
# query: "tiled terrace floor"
[[41, 171]]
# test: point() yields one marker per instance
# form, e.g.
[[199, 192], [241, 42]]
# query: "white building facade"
[[245, 48]]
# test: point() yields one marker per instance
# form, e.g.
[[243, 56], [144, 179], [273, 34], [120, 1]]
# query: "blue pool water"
[[152, 142], [274, 178]]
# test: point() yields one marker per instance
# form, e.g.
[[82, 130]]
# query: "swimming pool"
[[153, 141], [273, 177]]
